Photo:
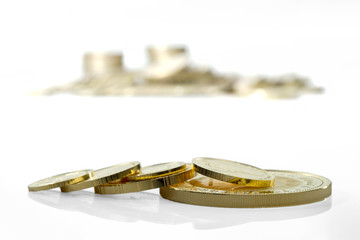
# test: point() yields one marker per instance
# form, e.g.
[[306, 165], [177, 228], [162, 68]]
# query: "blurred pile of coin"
[[170, 72], [207, 182]]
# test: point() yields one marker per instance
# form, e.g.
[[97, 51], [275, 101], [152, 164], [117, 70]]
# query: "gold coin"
[[290, 188], [61, 180], [154, 171], [146, 184], [105, 175], [233, 172]]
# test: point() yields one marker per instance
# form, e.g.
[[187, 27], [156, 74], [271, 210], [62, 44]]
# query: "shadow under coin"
[[150, 207]]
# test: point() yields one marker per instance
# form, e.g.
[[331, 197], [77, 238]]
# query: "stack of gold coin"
[[150, 177], [223, 183], [207, 182], [79, 180], [121, 178]]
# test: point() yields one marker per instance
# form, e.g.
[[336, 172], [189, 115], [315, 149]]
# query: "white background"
[[41, 44]]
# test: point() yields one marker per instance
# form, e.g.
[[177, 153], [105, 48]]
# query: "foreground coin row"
[[206, 182]]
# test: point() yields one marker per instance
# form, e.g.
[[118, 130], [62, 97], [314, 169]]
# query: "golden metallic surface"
[[146, 184], [61, 180], [105, 175], [233, 172], [290, 188], [154, 171]]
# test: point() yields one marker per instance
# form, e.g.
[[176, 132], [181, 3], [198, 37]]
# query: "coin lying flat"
[[146, 184], [154, 171], [105, 175], [290, 188], [233, 172], [61, 180]]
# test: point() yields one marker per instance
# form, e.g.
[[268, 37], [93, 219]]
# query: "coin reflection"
[[150, 207]]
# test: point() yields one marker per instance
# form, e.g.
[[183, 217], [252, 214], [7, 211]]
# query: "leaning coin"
[[61, 180], [146, 184], [153, 171], [290, 188], [233, 172], [105, 175]]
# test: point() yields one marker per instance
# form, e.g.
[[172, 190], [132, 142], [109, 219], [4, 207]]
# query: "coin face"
[[105, 175], [290, 188], [61, 180], [154, 171], [146, 184], [233, 172]]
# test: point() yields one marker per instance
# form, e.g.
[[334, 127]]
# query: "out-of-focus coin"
[[290, 188], [61, 180], [165, 62], [146, 184], [233, 172], [105, 175], [154, 171], [102, 63]]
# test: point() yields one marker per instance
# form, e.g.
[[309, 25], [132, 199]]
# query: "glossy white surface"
[[44, 136]]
